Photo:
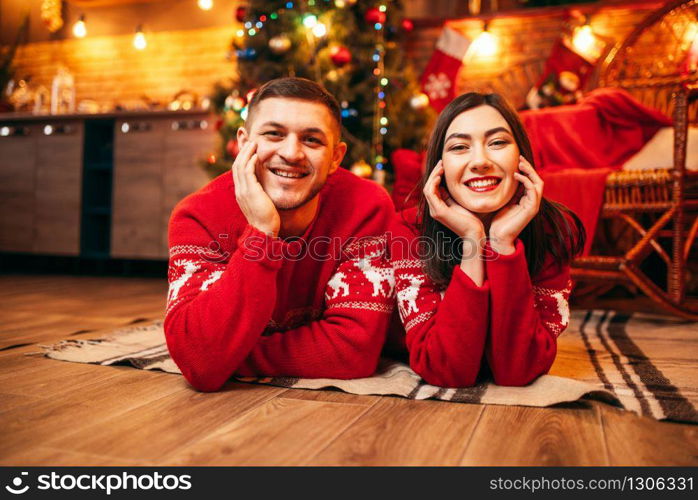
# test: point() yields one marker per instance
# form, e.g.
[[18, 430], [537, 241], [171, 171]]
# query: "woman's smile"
[[483, 184]]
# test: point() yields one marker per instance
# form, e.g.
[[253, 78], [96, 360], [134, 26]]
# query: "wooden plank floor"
[[59, 413]]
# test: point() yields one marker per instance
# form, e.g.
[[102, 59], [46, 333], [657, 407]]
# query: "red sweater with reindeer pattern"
[[508, 326], [241, 302]]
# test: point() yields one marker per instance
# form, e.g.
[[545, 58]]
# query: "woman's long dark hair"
[[550, 230]]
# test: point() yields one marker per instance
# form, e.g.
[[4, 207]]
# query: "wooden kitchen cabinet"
[[186, 143], [17, 186], [58, 188], [137, 195], [155, 166], [98, 186]]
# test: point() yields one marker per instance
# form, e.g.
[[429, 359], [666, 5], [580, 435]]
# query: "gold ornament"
[[280, 44], [51, 14], [362, 169], [419, 101]]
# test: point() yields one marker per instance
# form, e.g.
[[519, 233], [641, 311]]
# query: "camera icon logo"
[[17, 483]]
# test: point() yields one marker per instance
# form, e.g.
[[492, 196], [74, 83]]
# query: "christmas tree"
[[354, 49]]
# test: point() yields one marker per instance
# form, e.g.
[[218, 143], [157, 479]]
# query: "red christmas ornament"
[[373, 16], [240, 13], [407, 25], [340, 55], [219, 124], [232, 148]]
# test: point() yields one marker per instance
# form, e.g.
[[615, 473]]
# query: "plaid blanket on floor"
[[642, 363]]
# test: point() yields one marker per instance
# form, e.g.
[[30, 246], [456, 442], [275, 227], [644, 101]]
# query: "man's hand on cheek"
[[253, 201]]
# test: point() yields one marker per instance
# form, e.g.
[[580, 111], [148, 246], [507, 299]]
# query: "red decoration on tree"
[[340, 55], [240, 13], [373, 15], [407, 25]]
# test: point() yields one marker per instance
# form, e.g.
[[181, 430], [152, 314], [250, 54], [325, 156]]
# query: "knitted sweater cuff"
[[257, 246]]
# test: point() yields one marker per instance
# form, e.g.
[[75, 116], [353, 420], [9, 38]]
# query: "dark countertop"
[[162, 113]]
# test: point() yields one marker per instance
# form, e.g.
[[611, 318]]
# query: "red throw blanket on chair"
[[575, 147]]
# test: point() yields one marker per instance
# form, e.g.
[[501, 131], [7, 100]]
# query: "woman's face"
[[479, 158]]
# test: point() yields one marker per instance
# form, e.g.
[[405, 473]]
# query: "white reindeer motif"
[[337, 283], [409, 295], [377, 275], [189, 269], [213, 277], [563, 307]]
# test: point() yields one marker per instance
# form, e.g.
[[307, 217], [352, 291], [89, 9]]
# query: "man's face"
[[298, 149]]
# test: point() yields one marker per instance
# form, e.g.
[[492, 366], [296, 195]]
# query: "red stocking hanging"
[[439, 78], [565, 74]]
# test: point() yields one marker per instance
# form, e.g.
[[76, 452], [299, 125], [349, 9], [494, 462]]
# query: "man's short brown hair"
[[296, 88]]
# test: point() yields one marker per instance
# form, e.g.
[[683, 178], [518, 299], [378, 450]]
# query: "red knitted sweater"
[[242, 302], [510, 323]]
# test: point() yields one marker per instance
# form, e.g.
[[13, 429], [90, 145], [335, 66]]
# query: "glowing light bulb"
[[689, 35], [79, 28], [309, 21], [205, 4], [319, 30], [485, 45], [139, 41], [583, 39], [586, 43]]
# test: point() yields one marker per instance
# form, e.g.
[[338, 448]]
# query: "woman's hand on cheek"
[[445, 210], [515, 216]]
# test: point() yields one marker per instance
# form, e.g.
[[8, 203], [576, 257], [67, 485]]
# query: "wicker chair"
[[659, 208]]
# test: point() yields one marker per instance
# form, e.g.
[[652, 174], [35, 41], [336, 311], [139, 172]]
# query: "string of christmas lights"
[[380, 120]]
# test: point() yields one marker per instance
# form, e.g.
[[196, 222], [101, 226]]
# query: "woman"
[[483, 284]]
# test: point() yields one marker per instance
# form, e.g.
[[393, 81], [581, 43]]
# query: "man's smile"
[[289, 173]]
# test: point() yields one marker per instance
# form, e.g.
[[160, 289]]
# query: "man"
[[278, 269]]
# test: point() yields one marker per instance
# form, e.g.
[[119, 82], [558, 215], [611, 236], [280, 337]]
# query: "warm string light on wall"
[[585, 42], [205, 4], [79, 28], [139, 41], [583, 37], [485, 45]]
